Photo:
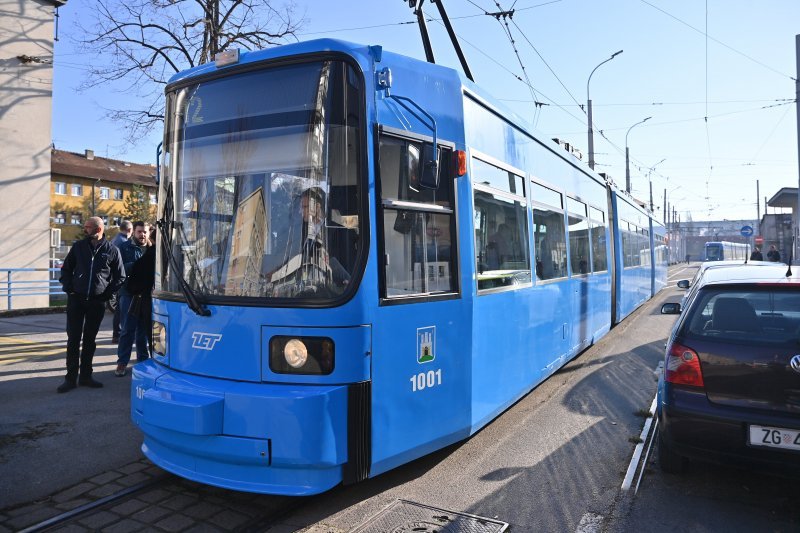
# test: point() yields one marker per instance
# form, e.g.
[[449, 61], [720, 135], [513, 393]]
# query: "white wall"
[[26, 28]]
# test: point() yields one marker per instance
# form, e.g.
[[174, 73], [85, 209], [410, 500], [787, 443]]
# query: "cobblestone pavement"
[[169, 504]]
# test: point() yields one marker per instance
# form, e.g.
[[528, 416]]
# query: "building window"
[[60, 218], [61, 187], [104, 193], [104, 218], [75, 219], [115, 221], [117, 194], [77, 190], [153, 199]]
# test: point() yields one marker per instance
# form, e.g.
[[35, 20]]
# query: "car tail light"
[[683, 366]]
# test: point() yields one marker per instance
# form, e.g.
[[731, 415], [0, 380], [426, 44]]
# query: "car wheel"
[[668, 460]]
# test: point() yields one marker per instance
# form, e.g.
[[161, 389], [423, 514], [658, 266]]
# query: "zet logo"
[[205, 341], [426, 344]]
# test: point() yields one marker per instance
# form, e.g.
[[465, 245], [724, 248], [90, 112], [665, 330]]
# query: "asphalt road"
[[49, 441]]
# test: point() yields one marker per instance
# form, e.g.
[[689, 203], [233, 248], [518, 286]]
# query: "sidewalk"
[[51, 441]]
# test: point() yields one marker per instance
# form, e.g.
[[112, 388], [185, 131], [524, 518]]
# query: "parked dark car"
[[730, 391]]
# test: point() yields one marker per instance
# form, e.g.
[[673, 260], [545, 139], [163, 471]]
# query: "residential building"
[[26, 79], [84, 184]]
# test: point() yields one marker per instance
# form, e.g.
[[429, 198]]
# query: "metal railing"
[[11, 288]]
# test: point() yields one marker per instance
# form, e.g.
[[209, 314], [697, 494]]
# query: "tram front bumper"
[[266, 438]]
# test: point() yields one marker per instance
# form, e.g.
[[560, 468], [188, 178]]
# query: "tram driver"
[[316, 255]]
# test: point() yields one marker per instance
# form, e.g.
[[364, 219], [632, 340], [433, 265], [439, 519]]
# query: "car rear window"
[[746, 314]]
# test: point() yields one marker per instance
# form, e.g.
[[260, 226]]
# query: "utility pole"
[[797, 107], [651, 196], [758, 210], [665, 206]]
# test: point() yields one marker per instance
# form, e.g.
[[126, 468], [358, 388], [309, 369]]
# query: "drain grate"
[[403, 516]]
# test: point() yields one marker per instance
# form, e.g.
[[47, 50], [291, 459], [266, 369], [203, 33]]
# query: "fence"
[[11, 288]]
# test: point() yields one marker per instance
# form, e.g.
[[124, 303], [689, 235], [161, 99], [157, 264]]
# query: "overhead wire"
[[703, 118], [507, 30], [701, 102], [546, 64], [708, 133], [780, 120], [718, 41], [514, 74]]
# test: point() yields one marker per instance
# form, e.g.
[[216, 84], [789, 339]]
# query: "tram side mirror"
[[672, 308], [683, 284], [429, 176]]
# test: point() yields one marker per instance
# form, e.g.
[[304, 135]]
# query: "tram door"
[[580, 267], [420, 344]]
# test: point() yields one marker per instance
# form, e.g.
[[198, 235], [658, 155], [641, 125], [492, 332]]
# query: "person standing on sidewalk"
[[92, 272], [134, 323], [125, 232]]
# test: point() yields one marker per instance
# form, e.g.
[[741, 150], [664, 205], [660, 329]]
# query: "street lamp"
[[627, 156], [589, 110]]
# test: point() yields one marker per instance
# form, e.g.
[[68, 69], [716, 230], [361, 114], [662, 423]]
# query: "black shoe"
[[91, 383], [66, 386]]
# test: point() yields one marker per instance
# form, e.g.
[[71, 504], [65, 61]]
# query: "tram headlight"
[[295, 353], [159, 339], [301, 355]]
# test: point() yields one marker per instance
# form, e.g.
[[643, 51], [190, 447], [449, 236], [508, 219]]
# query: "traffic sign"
[[747, 231], [759, 239]]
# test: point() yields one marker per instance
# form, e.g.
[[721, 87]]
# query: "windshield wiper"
[[165, 226]]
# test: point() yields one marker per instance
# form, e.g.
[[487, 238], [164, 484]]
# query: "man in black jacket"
[[91, 274]]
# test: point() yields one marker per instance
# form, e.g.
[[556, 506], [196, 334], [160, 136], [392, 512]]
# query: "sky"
[[716, 78]]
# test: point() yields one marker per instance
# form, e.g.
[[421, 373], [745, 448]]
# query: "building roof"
[[786, 197], [108, 170]]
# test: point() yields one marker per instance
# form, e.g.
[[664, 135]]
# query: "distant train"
[[364, 258], [722, 251]]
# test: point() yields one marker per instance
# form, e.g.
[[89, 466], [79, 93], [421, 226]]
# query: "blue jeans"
[[133, 326]]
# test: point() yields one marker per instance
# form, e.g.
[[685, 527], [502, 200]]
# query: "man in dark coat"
[[91, 274], [773, 254], [134, 323], [757, 255]]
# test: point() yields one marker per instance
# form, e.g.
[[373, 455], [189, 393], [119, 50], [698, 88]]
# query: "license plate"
[[788, 439]]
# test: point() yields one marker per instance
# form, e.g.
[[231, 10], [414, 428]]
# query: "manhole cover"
[[403, 516]]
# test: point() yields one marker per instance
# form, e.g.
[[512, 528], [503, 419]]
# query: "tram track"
[[261, 512], [96, 505]]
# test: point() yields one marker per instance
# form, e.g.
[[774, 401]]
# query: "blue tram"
[[722, 251], [363, 258]]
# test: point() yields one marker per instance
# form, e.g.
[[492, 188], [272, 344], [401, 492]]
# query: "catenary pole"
[[797, 107]]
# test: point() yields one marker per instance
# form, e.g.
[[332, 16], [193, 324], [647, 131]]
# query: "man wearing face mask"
[[91, 274]]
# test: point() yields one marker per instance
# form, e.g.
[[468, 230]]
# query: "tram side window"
[[418, 224], [578, 237], [501, 227], [644, 248], [550, 240], [630, 248], [599, 257]]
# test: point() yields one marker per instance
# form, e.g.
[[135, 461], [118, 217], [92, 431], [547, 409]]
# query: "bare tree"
[[144, 42]]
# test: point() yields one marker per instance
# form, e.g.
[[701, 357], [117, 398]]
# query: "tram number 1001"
[[426, 380]]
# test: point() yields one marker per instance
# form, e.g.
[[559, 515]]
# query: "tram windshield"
[[261, 188]]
